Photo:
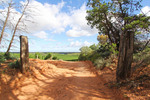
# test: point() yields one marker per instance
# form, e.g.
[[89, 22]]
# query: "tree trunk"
[[16, 27], [125, 56], [3, 29]]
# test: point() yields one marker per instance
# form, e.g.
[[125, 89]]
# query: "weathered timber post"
[[24, 54]]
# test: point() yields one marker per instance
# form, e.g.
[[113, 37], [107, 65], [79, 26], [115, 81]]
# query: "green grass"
[[66, 57]]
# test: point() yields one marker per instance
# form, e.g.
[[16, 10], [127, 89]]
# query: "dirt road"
[[57, 80]]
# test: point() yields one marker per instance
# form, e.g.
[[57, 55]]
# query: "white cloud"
[[42, 35], [80, 44], [47, 17], [146, 10], [70, 40], [86, 43], [79, 25], [50, 17], [49, 39]]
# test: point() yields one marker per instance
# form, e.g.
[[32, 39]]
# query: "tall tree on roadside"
[[118, 20], [16, 26], [5, 22]]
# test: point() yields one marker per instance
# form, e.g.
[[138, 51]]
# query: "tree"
[[5, 22], [85, 50], [94, 47], [16, 26], [118, 20], [102, 38]]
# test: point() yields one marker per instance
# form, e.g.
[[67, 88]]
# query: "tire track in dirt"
[[60, 80]]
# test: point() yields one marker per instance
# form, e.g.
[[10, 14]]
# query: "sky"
[[59, 25]]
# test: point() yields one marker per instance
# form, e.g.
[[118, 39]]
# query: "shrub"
[[85, 53], [94, 55], [94, 47], [144, 55], [15, 65], [37, 55], [48, 56], [100, 63], [54, 58], [106, 50], [2, 58], [100, 57], [8, 56], [85, 50], [82, 57]]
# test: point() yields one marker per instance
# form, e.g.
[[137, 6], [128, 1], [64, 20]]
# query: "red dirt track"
[[57, 80]]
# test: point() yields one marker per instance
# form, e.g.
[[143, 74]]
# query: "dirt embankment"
[[57, 80]]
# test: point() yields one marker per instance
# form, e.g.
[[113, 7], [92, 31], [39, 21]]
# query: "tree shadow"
[[6, 80], [54, 86]]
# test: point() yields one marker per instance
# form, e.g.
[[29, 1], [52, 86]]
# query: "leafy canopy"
[[117, 17]]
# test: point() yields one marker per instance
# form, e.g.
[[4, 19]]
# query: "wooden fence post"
[[24, 54]]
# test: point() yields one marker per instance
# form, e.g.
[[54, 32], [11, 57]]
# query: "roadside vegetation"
[[123, 42], [42, 56]]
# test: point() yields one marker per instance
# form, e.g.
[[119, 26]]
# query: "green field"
[[66, 56]]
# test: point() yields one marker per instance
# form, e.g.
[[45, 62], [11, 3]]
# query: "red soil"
[[58, 80]]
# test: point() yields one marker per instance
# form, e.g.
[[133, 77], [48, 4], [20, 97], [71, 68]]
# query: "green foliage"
[[8, 56], [83, 57], [101, 57], [48, 56], [38, 55], [67, 57], [106, 50], [144, 55], [2, 58], [15, 65], [85, 50], [85, 53], [94, 47], [89, 53], [108, 18], [54, 58], [100, 63]]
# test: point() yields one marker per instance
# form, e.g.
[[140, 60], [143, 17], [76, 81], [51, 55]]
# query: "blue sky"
[[60, 26]]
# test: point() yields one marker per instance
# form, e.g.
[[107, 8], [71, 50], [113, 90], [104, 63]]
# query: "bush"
[[15, 65], [37, 55], [101, 57], [48, 56], [2, 58], [94, 47], [94, 55], [106, 50], [54, 58], [144, 55], [8, 56], [85, 50], [100, 63], [85, 53], [82, 57]]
